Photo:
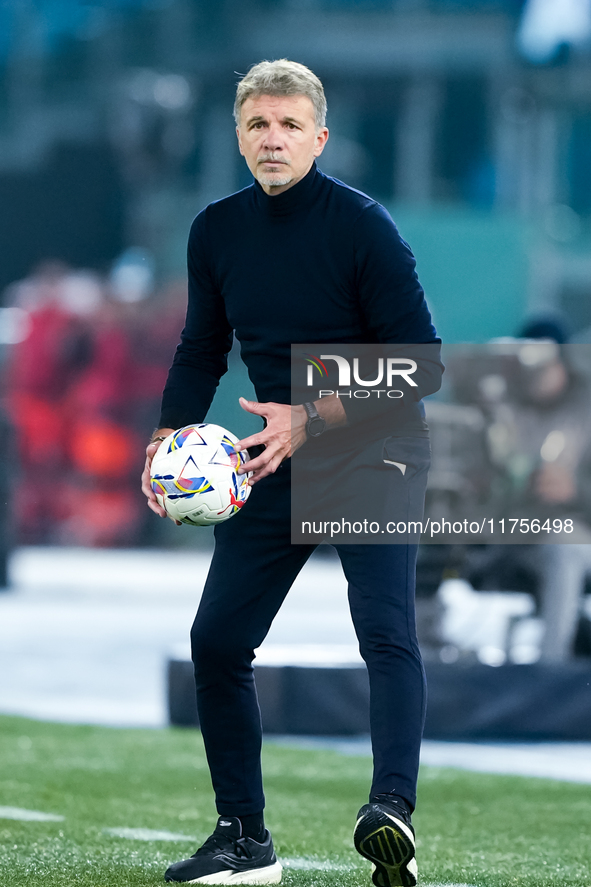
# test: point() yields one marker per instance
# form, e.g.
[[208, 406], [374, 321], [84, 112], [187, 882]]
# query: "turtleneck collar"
[[291, 200]]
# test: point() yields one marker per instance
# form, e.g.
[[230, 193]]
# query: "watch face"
[[316, 426]]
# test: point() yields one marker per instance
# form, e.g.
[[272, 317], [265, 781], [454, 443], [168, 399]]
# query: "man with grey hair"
[[282, 78], [296, 257]]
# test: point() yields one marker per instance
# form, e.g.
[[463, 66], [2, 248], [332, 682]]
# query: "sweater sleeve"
[[201, 357], [393, 308]]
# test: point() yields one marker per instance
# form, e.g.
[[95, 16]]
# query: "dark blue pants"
[[253, 568]]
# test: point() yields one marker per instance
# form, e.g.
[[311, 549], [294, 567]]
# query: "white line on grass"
[[303, 863], [308, 864], [28, 815], [146, 834]]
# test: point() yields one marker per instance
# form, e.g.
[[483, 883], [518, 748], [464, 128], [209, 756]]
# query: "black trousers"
[[253, 567]]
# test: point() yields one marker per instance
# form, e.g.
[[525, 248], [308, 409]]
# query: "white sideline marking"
[[29, 815], [303, 863], [146, 834]]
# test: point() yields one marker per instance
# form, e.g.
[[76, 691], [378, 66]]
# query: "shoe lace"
[[224, 842]]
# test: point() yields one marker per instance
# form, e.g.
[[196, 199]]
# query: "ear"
[[321, 140], [239, 140]]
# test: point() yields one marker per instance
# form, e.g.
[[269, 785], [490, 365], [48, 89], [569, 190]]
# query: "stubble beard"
[[271, 178], [274, 178]]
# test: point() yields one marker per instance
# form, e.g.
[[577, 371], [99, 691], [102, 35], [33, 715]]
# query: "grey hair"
[[282, 78]]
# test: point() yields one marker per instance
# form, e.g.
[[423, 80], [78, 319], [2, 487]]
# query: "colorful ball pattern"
[[194, 475]]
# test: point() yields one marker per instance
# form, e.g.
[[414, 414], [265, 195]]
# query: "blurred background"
[[470, 120]]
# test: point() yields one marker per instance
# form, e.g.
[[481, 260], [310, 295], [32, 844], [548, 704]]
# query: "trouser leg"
[[381, 596], [252, 569]]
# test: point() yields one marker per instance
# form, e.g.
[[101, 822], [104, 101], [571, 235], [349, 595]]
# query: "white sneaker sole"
[[270, 874]]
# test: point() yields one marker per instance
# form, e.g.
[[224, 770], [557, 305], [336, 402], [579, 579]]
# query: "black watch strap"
[[315, 425]]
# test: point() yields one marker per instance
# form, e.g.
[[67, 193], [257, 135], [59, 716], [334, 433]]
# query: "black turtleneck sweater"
[[319, 263]]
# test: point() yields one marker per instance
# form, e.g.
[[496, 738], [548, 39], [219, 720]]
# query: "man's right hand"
[[146, 484]]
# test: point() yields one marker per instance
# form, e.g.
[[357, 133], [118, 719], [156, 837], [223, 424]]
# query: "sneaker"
[[384, 835], [228, 858]]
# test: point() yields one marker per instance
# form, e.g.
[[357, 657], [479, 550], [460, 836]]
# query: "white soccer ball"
[[194, 475]]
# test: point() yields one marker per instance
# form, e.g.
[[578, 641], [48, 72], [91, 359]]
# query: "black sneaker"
[[384, 835], [228, 858]]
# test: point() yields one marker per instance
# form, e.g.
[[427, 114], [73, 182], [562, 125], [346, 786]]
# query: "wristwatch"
[[315, 424]]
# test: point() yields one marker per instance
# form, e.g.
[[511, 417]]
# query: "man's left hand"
[[284, 434]]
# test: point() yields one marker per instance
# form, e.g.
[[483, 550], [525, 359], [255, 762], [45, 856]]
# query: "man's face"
[[277, 136]]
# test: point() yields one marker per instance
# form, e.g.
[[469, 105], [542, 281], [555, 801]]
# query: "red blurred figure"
[[81, 390]]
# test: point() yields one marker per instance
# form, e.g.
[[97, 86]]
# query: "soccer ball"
[[194, 475]]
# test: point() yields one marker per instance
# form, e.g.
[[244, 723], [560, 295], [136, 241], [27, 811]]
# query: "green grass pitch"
[[473, 829]]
